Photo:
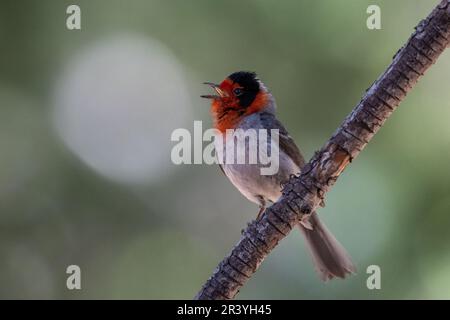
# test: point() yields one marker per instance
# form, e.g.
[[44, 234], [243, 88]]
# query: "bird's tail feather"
[[329, 256]]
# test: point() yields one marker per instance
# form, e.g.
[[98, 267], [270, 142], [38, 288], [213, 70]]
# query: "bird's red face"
[[239, 95]]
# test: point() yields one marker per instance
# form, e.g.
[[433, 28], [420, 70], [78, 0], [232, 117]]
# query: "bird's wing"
[[286, 142]]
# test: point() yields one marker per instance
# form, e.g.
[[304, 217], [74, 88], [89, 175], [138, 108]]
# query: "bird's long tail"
[[329, 256]]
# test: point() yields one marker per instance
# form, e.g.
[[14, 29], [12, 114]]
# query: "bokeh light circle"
[[116, 104]]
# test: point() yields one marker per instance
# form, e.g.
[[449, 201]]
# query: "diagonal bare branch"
[[304, 194]]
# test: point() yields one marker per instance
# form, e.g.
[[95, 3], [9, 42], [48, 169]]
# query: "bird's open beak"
[[220, 93]]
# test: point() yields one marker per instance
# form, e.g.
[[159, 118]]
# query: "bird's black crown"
[[250, 85], [246, 79]]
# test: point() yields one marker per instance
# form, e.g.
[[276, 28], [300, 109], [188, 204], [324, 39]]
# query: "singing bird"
[[242, 101]]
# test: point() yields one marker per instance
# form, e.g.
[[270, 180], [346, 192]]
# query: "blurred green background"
[[85, 123]]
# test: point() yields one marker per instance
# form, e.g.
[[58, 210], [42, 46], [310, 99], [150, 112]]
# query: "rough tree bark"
[[303, 194]]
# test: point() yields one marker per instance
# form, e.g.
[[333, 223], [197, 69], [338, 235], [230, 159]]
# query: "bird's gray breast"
[[248, 177]]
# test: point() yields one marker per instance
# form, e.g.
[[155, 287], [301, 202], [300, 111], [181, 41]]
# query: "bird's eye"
[[237, 91]]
